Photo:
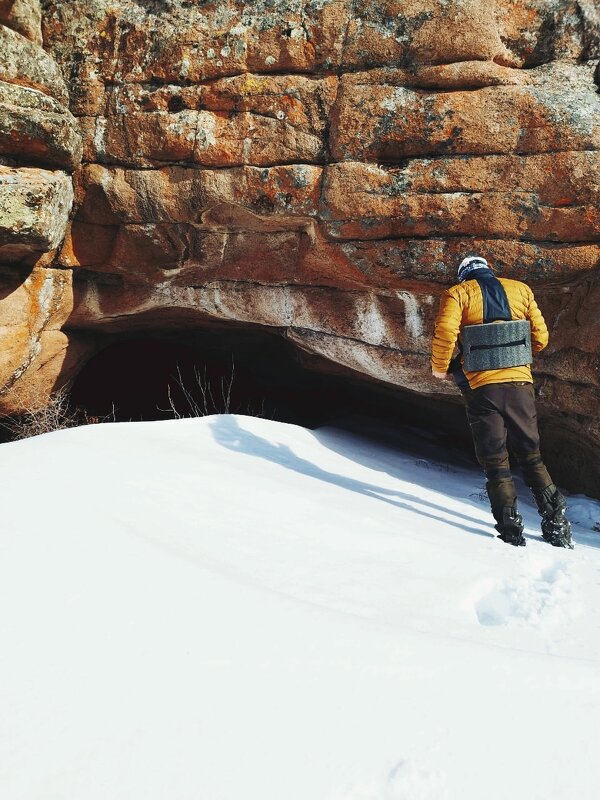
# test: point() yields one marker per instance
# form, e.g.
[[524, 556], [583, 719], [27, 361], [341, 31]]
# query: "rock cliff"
[[315, 167]]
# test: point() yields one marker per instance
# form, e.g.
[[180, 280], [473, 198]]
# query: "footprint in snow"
[[407, 780], [529, 599]]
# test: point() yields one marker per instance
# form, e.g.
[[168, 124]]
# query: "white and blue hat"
[[470, 264]]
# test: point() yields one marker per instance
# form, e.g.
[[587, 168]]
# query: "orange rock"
[[112, 195], [510, 197], [390, 123], [32, 313]]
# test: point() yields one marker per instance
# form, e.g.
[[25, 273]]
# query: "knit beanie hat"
[[470, 264]]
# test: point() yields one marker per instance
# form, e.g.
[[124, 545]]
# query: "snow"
[[229, 607]]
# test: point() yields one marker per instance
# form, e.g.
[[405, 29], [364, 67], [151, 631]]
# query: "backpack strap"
[[495, 302], [457, 371]]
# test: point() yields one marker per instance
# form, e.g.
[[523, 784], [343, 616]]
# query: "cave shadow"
[[227, 432], [585, 538], [13, 277], [404, 443], [163, 375]]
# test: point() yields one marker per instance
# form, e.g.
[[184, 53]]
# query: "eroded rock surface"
[[317, 167]]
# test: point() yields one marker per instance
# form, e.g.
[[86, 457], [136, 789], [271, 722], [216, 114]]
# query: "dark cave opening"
[[160, 374], [164, 374]]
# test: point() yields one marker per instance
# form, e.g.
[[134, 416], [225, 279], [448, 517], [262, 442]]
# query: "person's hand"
[[441, 376]]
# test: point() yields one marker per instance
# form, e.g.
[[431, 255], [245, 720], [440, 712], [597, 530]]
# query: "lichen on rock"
[[35, 205]]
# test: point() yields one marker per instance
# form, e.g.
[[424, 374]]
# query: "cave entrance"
[[163, 374]]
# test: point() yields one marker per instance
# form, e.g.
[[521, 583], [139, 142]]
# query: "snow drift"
[[227, 607]]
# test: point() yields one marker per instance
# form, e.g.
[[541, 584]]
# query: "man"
[[500, 402]]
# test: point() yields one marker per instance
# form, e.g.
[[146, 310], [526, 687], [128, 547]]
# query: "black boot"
[[556, 528], [510, 528]]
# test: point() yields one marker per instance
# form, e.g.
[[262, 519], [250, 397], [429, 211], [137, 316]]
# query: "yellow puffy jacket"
[[463, 305]]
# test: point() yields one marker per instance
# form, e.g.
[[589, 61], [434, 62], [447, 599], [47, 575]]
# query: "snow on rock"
[[230, 608]]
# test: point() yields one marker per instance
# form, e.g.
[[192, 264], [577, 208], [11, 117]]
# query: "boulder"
[[182, 42], [34, 209], [113, 195], [37, 129], [32, 345], [25, 63], [509, 32]]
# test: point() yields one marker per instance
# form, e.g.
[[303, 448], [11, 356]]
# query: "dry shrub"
[[36, 418], [212, 399]]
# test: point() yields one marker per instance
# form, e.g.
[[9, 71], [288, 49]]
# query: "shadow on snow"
[[227, 432]]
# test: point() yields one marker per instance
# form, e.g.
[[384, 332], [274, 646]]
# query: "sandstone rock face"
[[34, 348], [39, 145], [315, 167], [388, 122]]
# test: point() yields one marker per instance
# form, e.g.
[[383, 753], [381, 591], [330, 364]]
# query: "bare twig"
[[53, 414], [210, 402], [226, 388], [172, 406]]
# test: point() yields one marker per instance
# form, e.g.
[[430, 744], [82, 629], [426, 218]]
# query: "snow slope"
[[230, 608]]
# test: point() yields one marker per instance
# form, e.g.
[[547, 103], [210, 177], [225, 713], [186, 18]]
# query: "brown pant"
[[496, 412]]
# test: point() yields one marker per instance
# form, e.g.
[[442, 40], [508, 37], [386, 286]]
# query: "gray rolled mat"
[[496, 345]]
